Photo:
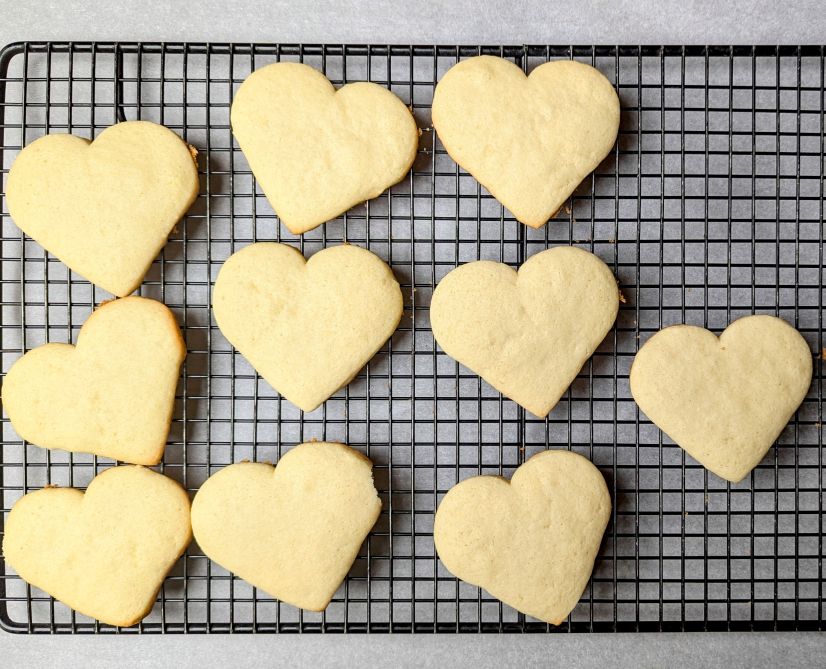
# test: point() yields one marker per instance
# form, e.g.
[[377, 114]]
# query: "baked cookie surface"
[[112, 394], [530, 541], [529, 140], [104, 208], [724, 400], [526, 333], [292, 530], [307, 327], [317, 151], [105, 552]]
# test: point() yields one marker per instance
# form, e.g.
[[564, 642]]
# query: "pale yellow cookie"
[[526, 333], [529, 140], [530, 542], [293, 530], [306, 327], [105, 208], [112, 394], [724, 400], [104, 553], [317, 152]]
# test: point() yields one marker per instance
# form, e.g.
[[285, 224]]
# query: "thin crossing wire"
[[709, 208]]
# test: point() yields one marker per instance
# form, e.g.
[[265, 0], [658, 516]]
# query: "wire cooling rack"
[[710, 208]]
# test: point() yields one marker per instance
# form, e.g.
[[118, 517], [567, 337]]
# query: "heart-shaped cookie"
[[316, 152], [306, 327], [724, 400], [293, 530], [104, 553], [526, 333], [104, 208], [112, 394], [530, 542], [529, 140]]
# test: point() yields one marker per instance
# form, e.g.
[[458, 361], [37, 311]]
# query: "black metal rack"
[[710, 207]]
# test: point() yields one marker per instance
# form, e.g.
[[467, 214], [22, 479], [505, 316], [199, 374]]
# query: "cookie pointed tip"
[[535, 223]]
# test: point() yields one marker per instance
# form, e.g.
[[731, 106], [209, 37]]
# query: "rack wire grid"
[[709, 208]]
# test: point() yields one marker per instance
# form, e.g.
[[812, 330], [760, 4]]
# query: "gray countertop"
[[461, 21]]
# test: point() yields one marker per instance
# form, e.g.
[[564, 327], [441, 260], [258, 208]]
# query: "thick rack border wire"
[[709, 208]]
